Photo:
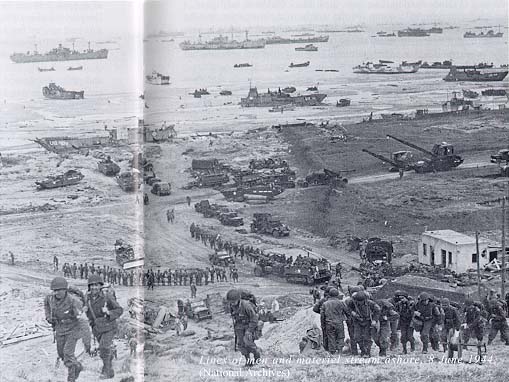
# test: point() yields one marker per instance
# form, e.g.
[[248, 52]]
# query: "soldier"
[[334, 312], [498, 322], [474, 322], [188, 200], [193, 290], [451, 321], [103, 311], [365, 314], [62, 312], [74, 269], [81, 269], [425, 316], [388, 314], [349, 322], [315, 292], [55, 263], [317, 309], [85, 271], [245, 323], [192, 229], [405, 307]]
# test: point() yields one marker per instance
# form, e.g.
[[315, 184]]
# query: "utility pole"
[[503, 247], [478, 266]]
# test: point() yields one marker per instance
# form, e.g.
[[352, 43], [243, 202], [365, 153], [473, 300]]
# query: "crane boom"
[[412, 145], [384, 159]]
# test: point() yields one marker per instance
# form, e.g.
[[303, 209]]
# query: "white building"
[[455, 251]]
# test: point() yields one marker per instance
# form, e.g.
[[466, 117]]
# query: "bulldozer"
[[264, 223]]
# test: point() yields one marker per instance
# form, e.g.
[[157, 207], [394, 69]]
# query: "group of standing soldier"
[[434, 319], [64, 309]]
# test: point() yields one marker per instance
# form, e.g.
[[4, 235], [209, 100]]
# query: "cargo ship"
[[223, 43], [279, 98], [474, 74], [59, 54], [489, 34], [410, 32], [53, 91], [297, 40], [387, 67], [70, 178]]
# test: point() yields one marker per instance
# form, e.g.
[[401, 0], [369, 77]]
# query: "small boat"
[[474, 74], [494, 92], [75, 68], [312, 89], [52, 69], [158, 79], [343, 102], [307, 48], [225, 92], [244, 65], [393, 116], [289, 89], [199, 93], [302, 65], [385, 34], [470, 94], [282, 108], [387, 67]]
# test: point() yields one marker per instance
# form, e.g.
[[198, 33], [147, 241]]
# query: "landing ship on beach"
[[475, 74], [59, 54], [279, 98], [53, 91]]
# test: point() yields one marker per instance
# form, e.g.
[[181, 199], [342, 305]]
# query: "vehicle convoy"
[[440, 158], [327, 177], [108, 167], [59, 54], [221, 259], [53, 91], [69, 178], [280, 98], [376, 250], [264, 223]]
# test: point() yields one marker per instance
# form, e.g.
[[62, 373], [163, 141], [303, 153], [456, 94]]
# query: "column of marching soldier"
[[436, 320], [149, 278]]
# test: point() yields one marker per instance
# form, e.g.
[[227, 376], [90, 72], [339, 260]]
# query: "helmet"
[[333, 292], [360, 295], [354, 289], [233, 295], [58, 283], [95, 279], [400, 293], [424, 296], [445, 301]]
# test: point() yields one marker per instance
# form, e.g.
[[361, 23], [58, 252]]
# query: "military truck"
[[161, 189], [108, 167], [500, 157], [209, 180], [376, 250], [199, 311], [327, 177], [127, 181], [264, 223], [308, 271], [230, 219], [221, 259], [124, 252], [265, 266]]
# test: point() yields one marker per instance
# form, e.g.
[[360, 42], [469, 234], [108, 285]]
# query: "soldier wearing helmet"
[[474, 322], [405, 306], [102, 312], [317, 309], [498, 322], [425, 316], [333, 313], [388, 314], [365, 314], [349, 321], [245, 323], [62, 311], [451, 321]]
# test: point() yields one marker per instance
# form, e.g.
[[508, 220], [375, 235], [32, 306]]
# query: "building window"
[[424, 250], [450, 258], [474, 258]]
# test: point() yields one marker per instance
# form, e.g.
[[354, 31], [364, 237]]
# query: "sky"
[[108, 19], [203, 14]]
